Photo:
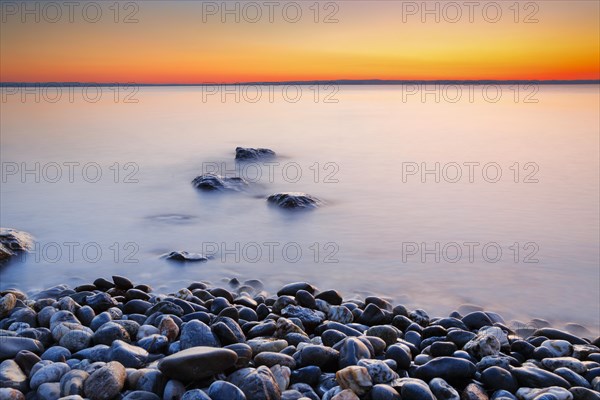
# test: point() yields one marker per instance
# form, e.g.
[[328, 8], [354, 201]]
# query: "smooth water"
[[380, 225]]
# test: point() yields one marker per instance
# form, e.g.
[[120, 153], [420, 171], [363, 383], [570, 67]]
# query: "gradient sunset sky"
[[186, 42]]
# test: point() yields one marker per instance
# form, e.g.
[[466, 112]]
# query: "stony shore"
[[112, 339]]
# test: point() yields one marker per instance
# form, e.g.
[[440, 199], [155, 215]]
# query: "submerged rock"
[[294, 200], [250, 154], [213, 182], [184, 256], [13, 242]]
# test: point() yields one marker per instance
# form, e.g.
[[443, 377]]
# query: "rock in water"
[[106, 382], [13, 242], [197, 363], [184, 256], [294, 200], [212, 182], [249, 153]]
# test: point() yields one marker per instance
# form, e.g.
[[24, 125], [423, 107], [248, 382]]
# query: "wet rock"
[[414, 389], [128, 355], [109, 332], [538, 378], [484, 344], [442, 390], [496, 378], [294, 200], [11, 376], [354, 378], [223, 390], [11, 345], [106, 382], [72, 382], [11, 394], [48, 391], [379, 371], [270, 359], [13, 242], [257, 384], [197, 363], [196, 333], [185, 256], [253, 154], [558, 393], [474, 392], [282, 376], [48, 373], [447, 368], [558, 348], [213, 182], [564, 362]]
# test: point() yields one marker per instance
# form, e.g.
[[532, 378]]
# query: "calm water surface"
[[377, 233]]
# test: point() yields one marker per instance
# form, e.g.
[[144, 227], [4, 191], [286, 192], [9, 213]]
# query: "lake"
[[433, 196]]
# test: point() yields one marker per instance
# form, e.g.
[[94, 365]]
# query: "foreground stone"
[[197, 363], [113, 339]]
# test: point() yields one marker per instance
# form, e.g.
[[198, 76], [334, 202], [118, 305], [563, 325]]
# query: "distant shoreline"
[[345, 82]]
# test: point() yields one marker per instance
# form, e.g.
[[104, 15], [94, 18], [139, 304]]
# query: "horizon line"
[[348, 82]]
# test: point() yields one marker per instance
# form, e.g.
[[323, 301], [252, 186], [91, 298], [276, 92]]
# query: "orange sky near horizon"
[[188, 42]]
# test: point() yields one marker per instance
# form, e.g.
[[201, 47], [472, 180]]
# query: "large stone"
[[11, 376], [213, 182], [447, 368], [11, 345], [294, 200], [106, 382], [253, 154], [257, 384], [354, 378], [197, 363]]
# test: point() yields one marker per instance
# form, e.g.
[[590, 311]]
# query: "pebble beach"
[[117, 339]]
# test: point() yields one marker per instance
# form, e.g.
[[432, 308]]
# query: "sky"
[[226, 42]]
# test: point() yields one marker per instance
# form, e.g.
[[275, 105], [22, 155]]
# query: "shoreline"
[[113, 338]]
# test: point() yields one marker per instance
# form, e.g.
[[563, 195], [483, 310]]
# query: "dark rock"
[[351, 351], [197, 363], [184, 256], [213, 182], [106, 382], [294, 200], [538, 378], [496, 378], [11, 345], [441, 349], [13, 242], [331, 296], [250, 154], [477, 320], [196, 333], [447, 368], [257, 384], [223, 390]]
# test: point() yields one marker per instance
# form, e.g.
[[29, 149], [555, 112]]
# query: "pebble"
[[355, 378], [106, 382], [442, 390], [197, 363], [114, 340], [11, 376]]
